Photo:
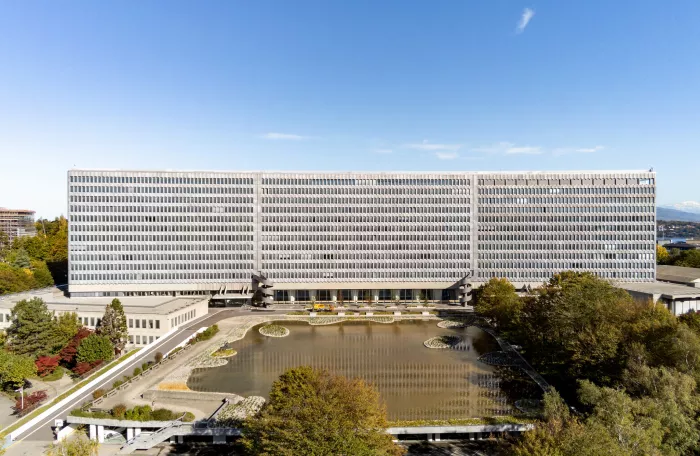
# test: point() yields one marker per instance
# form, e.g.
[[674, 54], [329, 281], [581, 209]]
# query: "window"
[[131, 323]]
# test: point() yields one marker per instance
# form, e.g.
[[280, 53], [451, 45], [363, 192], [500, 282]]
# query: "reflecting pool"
[[415, 382]]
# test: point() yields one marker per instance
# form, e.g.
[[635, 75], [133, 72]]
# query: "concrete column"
[[375, 295], [437, 295], [100, 434], [354, 294], [416, 295], [334, 295], [129, 434], [219, 439], [93, 432], [173, 439], [292, 295], [137, 432], [180, 439], [312, 295], [395, 294], [436, 437]]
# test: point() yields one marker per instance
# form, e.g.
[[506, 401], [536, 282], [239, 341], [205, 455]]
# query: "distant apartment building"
[[17, 222], [353, 235]]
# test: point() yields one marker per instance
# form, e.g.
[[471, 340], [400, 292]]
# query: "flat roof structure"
[[679, 274], [679, 299], [662, 289], [148, 317]]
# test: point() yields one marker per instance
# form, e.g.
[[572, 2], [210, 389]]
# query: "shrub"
[[118, 411], [98, 393], [204, 335], [159, 357], [188, 418], [95, 348], [45, 365], [163, 415], [117, 384], [137, 371], [29, 400], [81, 368], [145, 366]]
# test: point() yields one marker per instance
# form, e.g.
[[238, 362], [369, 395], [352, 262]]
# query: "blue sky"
[[339, 85]]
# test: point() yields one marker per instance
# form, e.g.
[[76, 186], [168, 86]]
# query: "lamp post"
[[21, 395]]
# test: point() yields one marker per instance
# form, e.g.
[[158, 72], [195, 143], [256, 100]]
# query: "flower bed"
[[442, 342], [500, 358], [224, 353], [273, 331], [446, 324], [233, 414]]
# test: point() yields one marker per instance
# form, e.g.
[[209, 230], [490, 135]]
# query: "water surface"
[[414, 381]]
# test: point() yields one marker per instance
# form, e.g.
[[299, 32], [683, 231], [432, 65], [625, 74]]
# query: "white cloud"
[[446, 155], [383, 151], [524, 20], [508, 148], [589, 150], [524, 150], [285, 136], [425, 145]]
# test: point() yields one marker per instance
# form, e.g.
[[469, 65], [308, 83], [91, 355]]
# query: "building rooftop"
[[665, 290], [678, 274], [55, 300]]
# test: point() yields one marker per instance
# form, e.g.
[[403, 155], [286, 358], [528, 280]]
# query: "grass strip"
[[58, 399]]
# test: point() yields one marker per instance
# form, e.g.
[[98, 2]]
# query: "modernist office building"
[[353, 235]]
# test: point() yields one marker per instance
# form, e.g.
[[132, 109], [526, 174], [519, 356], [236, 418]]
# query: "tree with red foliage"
[[83, 368], [69, 352], [29, 400], [45, 365]]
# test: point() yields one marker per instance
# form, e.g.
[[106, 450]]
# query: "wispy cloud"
[[524, 20], [446, 155], [528, 150], [589, 150], [285, 136], [425, 145], [574, 150], [508, 148], [383, 151]]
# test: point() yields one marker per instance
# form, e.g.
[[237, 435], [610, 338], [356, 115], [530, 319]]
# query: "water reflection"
[[416, 382]]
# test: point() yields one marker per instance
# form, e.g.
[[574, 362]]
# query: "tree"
[[33, 330], [95, 348], [41, 273], [67, 325], [19, 259], [70, 351], [75, 446], [498, 301], [113, 325], [313, 412], [662, 255], [575, 326], [15, 369], [45, 365]]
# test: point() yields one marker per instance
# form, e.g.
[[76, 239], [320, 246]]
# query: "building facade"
[[17, 222], [355, 235], [148, 318]]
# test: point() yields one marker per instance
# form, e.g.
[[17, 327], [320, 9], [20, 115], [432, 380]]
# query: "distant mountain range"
[[691, 214]]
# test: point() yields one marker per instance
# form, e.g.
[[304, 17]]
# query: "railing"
[[112, 392]]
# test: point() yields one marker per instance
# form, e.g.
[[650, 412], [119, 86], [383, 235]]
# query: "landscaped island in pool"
[[416, 382]]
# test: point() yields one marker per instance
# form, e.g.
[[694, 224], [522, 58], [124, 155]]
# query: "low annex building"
[[148, 317]]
